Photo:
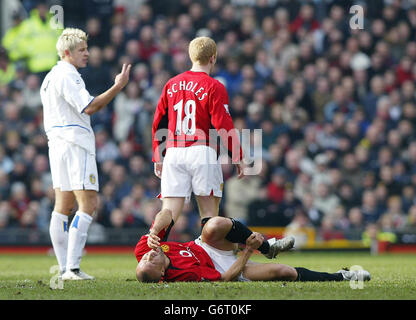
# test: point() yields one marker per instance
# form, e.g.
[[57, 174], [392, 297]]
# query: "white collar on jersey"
[[67, 65]]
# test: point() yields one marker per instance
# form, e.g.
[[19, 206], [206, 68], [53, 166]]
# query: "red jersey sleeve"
[[222, 121], [160, 121]]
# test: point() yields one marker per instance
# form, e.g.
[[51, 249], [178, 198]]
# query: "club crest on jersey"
[[92, 178], [165, 247]]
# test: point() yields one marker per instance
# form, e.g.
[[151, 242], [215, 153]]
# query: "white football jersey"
[[64, 98]]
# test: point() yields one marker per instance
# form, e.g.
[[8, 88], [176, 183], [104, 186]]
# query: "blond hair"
[[201, 49], [69, 39]]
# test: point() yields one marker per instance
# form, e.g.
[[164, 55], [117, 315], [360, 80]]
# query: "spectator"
[[31, 96], [19, 200], [7, 68], [121, 184], [96, 75], [314, 214], [277, 186], [325, 200], [305, 21], [106, 148], [347, 195], [297, 227], [287, 208], [321, 97], [411, 218], [370, 208], [355, 218], [4, 185], [12, 40], [4, 214], [39, 40], [341, 221], [118, 219], [408, 197], [147, 47], [339, 103], [395, 214], [107, 205], [96, 35], [6, 163], [126, 105], [29, 216], [321, 173], [371, 99], [238, 194], [386, 176], [352, 172]]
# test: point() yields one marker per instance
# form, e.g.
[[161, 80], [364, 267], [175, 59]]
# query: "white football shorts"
[[191, 169], [222, 260], [72, 167]]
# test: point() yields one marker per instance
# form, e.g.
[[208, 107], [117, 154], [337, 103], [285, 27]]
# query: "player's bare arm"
[[237, 267], [162, 221], [103, 99]]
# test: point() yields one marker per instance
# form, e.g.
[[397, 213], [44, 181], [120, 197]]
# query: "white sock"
[[77, 238], [58, 231]]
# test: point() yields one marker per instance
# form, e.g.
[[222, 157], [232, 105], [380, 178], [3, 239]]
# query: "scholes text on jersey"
[[187, 86]]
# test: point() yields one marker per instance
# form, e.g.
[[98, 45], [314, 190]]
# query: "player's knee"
[[63, 209], [216, 226], [88, 204], [93, 203], [283, 272]]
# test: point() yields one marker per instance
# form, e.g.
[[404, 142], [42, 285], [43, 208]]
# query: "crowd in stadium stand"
[[336, 106]]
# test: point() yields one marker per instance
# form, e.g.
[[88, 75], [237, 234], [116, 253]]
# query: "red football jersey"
[[190, 105], [188, 261]]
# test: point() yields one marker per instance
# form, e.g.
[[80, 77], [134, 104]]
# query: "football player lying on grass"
[[212, 256]]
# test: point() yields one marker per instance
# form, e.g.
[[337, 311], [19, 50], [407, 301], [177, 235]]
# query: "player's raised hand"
[[153, 241], [123, 77], [254, 241]]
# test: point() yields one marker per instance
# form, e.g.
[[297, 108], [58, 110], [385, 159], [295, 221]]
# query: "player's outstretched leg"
[[309, 275], [220, 232], [280, 272]]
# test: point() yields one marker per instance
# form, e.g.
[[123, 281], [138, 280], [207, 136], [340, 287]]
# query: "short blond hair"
[[201, 49], [69, 39]]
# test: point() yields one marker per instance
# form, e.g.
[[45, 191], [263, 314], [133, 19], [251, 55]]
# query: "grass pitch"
[[28, 277]]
